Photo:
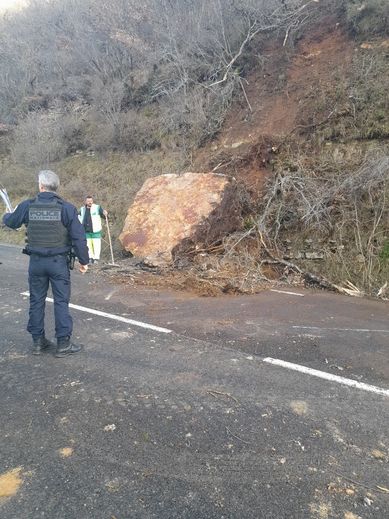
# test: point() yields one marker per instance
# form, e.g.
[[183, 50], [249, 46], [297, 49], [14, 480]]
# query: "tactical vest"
[[45, 229]]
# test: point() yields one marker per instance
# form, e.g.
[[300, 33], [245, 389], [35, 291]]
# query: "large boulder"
[[172, 214]]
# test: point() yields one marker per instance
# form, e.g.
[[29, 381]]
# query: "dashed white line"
[[111, 316], [327, 376]]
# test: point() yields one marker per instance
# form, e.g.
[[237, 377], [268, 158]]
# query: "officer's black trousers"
[[43, 271]]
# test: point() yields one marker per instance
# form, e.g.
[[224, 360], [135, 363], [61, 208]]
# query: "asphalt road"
[[193, 423]]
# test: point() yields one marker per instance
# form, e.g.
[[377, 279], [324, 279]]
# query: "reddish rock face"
[[172, 214]]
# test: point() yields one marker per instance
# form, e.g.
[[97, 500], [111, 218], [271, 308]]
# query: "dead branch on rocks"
[[350, 207], [308, 277]]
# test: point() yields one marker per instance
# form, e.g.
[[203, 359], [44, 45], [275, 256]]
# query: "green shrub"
[[368, 17], [384, 254]]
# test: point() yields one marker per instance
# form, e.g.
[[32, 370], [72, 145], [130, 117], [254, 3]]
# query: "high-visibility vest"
[[95, 217]]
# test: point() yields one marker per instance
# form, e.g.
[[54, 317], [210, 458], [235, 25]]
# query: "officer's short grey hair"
[[49, 180]]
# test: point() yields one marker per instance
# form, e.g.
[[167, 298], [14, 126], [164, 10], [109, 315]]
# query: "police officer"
[[53, 229]]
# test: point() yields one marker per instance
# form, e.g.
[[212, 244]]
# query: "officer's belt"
[[42, 255]]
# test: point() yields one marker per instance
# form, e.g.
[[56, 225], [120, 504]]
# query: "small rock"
[[299, 407], [314, 255], [109, 428], [66, 452], [350, 515], [113, 486], [377, 454]]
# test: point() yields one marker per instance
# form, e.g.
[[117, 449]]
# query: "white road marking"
[[111, 316], [327, 376], [276, 362], [317, 328], [285, 292]]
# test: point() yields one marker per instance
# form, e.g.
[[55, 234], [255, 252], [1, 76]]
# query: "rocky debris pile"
[[174, 215]]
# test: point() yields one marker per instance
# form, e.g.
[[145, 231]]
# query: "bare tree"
[[113, 56]]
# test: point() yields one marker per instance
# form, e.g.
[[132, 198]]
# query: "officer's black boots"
[[65, 347], [40, 345]]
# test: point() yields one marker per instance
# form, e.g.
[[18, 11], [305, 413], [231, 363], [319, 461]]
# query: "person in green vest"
[[90, 216]]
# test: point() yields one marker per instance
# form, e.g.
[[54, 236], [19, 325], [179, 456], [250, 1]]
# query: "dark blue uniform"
[[49, 265]]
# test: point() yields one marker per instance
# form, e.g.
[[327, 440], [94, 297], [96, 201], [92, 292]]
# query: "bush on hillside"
[[191, 118], [39, 140], [368, 17], [353, 104], [134, 130]]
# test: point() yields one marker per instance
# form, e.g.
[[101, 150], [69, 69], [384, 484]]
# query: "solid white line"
[[285, 292], [111, 316], [327, 376], [340, 329]]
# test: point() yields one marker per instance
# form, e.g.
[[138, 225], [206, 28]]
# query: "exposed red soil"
[[276, 91]]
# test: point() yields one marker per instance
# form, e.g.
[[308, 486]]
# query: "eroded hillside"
[[310, 143], [297, 114]]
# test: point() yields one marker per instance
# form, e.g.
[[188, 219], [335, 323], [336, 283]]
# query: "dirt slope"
[[276, 91]]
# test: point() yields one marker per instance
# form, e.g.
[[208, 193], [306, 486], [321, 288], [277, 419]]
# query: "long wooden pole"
[[110, 241]]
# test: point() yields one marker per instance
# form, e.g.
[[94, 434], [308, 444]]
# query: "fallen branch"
[[215, 394], [377, 488], [307, 276], [250, 35], [350, 289], [382, 291], [237, 437], [313, 125], [245, 95]]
